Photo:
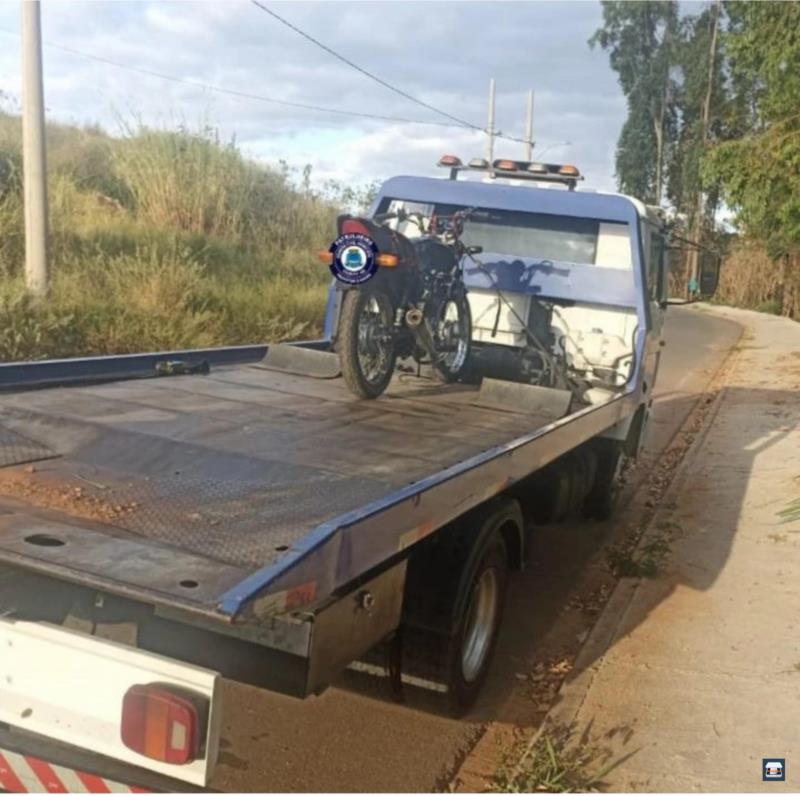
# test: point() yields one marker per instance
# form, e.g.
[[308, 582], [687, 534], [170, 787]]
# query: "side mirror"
[[474, 249]]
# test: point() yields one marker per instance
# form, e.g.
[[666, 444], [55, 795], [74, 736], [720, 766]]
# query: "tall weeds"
[[750, 278], [161, 239]]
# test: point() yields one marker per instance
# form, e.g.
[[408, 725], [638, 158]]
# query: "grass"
[[791, 512], [771, 307], [644, 562], [162, 239], [556, 762]]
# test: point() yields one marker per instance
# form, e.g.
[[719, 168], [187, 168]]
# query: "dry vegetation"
[[161, 240], [750, 278]]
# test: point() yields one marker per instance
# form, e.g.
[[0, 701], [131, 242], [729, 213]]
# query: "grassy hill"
[[159, 240]]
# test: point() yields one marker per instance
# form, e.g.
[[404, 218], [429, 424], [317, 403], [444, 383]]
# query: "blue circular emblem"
[[354, 258]]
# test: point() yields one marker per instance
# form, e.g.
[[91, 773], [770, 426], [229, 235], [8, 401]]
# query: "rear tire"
[[443, 571], [366, 349]]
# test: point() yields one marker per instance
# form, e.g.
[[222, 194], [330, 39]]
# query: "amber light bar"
[[565, 174]]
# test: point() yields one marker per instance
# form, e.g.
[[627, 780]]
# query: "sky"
[[443, 53]]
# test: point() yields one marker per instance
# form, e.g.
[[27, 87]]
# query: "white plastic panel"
[[613, 246], [593, 334], [68, 686], [483, 305]]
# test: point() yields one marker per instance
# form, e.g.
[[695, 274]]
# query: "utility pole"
[[697, 226], [529, 128], [490, 127], [33, 147]]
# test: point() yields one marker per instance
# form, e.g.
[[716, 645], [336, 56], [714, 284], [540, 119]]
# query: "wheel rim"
[[481, 620], [374, 339], [453, 336]]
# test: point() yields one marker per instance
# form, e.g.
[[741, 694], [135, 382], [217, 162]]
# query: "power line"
[[273, 100], [365, 72], [234, 92], [460, 122]]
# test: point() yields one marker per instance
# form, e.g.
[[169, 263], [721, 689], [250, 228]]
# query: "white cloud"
[[443, 53]]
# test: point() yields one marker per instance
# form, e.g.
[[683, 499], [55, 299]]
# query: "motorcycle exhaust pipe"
[[415, 320]]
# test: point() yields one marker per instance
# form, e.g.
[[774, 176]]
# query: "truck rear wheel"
[[477, 622], [453, 604]]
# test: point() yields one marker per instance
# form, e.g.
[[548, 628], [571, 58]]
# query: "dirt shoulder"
[[689, 677]]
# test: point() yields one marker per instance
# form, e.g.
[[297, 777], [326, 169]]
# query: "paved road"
[[353, 739]]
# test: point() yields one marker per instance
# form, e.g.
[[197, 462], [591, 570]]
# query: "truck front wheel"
[[603, 498]]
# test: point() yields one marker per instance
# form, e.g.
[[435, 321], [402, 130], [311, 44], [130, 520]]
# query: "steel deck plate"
[[235, 467]]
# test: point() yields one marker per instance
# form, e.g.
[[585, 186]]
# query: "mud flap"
[[546, 402], [301, 361]]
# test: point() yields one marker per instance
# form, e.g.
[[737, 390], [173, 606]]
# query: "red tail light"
[[160, 725], [354, 227]]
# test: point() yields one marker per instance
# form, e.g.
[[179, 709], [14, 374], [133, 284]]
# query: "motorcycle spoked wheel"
[[450, 323], [366, 348]]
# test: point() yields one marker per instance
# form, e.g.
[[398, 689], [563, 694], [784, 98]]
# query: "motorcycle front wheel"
[[366, 345], [450, 322]]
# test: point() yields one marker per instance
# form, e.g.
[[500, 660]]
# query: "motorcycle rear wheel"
[[366, 344]]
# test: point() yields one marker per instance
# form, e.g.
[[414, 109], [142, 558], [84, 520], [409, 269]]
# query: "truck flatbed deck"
[[197, 491]]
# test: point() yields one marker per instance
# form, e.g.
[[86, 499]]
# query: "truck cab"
[[583, 272]]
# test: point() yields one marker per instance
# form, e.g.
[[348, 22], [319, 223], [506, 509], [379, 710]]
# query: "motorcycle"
[[415, 305]]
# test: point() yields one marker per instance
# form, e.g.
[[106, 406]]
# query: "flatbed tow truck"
[[169, 519]]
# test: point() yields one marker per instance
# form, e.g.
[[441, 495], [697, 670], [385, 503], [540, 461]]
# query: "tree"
[[701, 213], [759, 172], [640, 38], [702, 109]]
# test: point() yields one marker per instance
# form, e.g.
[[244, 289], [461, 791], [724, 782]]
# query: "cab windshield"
[[542, 236]]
